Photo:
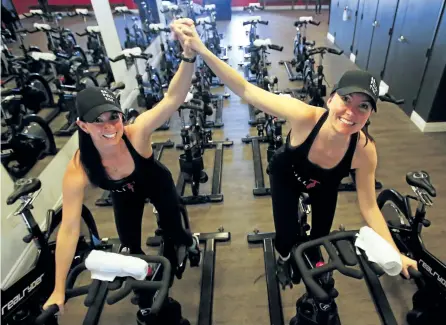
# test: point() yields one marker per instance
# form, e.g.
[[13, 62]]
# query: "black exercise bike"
[[314, 82], [22, 301], [429, 302]]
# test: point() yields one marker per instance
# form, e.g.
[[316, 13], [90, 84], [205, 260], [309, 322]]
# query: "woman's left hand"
[[408, 262], [178, 26]]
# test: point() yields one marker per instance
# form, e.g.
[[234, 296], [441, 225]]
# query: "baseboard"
[[427, 126], [330, 37]]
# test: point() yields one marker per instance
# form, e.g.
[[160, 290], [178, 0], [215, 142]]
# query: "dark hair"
[[365, 128], [90, 159]]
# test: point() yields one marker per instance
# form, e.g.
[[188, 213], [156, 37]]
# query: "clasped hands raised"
[[184, 31]]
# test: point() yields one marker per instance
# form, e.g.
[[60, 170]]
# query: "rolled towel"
[[308, 18], [379, 251], [262, 42], [121, 8], [44, 56], [36, 11], [82, 11], [93, 29], [106, 266], [131, 52], [42, 26], [285, 95], [189, 96], [209, 7], [254, 4]]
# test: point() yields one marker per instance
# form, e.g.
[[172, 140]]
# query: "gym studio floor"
[[238, 297]]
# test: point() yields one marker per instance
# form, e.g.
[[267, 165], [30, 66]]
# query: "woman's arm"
[[280, 106], [146, 123], [73, 195], [365, 185]]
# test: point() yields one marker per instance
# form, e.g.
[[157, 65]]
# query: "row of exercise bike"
[[28, 137], [22, 302]]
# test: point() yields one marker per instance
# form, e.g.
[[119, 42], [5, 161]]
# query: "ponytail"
[[90, 159]]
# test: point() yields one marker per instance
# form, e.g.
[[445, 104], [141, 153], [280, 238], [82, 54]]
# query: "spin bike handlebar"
[[194, 104], [255, 22], [390, 99], [145, 56], [162, 288], [323, 50], [299, 23], [344, 243]]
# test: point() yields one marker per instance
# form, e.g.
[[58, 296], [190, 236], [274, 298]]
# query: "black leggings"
[[285, 198], [129, 207]]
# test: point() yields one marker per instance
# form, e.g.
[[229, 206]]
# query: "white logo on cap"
[[107, 96], [373, 86]]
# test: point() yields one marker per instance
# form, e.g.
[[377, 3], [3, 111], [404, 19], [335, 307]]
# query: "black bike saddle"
[[23, 187], [422, 180]]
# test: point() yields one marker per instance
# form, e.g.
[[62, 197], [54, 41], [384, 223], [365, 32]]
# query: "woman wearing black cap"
[[120, 159], [320, 150]]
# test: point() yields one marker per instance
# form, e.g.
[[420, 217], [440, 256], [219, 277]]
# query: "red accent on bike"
[[319, 264], [150, 271]]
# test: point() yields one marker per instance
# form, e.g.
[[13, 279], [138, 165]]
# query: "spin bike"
[[21, 302], [300, 48], [429, 302], [147, 97], [195, 139], [27, 139], [314, 82], [156, 285]]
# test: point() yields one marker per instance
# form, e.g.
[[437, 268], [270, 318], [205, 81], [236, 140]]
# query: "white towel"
[[189, 96], [262, 42], [379, 251], [106, 266]]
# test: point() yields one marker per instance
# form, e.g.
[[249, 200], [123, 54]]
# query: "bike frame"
[[433, 270], [37, 285]]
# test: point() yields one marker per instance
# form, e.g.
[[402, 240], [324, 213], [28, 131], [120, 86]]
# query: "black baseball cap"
[[93, 101], [358, 81]]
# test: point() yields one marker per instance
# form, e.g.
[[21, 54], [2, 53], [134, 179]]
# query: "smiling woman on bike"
[[320, 150], [120, 159]]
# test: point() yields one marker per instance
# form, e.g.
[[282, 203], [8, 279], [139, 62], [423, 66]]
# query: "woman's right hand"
[[56, 298], [187, 34]]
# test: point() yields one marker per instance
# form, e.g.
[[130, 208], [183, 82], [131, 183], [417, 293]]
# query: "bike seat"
[[422, 180], [23, 187]]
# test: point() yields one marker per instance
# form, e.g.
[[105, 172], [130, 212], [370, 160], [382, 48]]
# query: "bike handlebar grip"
[[118, 58], [74, 273], [246, 23], [194, 103], [315, 23], [263, 22], [43, 317], [121, 294], [414, 273], [275, 47], [334, 51], [22, 30], [92, 292], [335, 263], [80, 34], [144, 56], [71, 293], [71, 14], [163, 12], [347, 254]]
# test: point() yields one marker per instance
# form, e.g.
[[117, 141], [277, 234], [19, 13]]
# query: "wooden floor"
[[238, 297]]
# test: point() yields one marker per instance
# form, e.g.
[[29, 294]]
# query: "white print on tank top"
[[308, 183], [126, 188]]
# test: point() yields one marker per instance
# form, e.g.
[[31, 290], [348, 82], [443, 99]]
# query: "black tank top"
[[312, 176], [135, 181]]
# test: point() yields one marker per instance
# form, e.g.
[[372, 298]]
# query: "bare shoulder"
[[140, 141], [75, 178], [365, 152], [305, 120]]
